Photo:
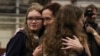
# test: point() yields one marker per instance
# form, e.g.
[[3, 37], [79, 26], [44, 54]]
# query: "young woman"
[[26, 40]]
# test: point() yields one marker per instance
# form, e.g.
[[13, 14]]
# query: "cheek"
[[39, 25], [81, 24], [51, 21]]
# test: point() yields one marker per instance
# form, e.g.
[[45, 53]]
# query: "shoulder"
[[16, 44], [20, 33], [18, 37]]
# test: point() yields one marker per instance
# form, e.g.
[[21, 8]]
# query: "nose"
[[33, 21], [45, 23]]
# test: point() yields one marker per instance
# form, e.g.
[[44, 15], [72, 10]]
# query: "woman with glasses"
[[25, 41]]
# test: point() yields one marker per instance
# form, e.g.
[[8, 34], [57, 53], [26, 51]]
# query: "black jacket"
[[16, 45]]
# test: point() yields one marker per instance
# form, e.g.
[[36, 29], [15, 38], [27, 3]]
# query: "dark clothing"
[[83, 53], [94, 47], [16, 46]]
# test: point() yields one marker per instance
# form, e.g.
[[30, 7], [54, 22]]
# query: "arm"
[[75, 45], [16, 45], [94, 33], [72, 44]]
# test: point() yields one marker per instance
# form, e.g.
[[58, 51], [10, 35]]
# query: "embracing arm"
[[75, 45]]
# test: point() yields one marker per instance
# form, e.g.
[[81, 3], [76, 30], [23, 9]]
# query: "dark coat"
[[16, 45]]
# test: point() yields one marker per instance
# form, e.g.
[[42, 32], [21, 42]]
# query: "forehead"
[[94, 10], [47, 12], [34, 13]]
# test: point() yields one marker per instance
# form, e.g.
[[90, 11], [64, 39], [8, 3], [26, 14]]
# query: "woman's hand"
[[37, 51], [72, 44]]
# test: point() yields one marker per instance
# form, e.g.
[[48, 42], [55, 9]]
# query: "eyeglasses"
[[38, 18]]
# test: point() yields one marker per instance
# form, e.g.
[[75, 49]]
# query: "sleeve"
[[15, 45]]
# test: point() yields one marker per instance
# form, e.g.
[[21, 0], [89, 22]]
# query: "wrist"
[[80, 50]]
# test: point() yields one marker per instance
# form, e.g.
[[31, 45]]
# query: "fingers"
[[66, 44], [75, 37], [39, 46], [64, 40], [70, 43], [68, 39]]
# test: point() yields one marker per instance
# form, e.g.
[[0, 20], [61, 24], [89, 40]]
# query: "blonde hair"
[[31, 43]]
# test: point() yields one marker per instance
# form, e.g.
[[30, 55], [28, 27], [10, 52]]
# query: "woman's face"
[[34, 20], [48, 17]]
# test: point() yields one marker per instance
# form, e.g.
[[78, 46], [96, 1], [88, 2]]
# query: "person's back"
[[68, 22]]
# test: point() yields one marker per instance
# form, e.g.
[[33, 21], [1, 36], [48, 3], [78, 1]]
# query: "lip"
[[34, 25]]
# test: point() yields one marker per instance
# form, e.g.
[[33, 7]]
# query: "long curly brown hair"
[[65, 25], [31, 42]]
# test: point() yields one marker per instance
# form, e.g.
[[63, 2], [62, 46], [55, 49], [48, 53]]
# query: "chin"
[[34, 29]]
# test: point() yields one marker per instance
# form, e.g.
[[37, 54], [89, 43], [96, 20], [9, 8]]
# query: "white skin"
[[93, 32], [37, 51], [48, 17], [74, 43], [48, 20], [34, 25]]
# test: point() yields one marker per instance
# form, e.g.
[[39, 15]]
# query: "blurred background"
[[12, 14]]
